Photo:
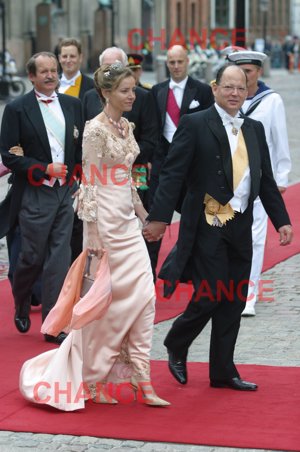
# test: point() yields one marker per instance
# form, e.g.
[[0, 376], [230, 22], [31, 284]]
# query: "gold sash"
[[216, 214], [74, 90]]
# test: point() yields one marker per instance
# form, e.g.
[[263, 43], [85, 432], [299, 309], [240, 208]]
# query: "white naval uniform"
[[271, 113]]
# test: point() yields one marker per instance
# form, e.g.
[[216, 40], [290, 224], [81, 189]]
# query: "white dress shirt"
[[56, 147], [65, 83], [239, 202], [178, 90]]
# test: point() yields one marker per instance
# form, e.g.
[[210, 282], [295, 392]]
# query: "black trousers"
[[46, 221], [13, 240], [221, 269]]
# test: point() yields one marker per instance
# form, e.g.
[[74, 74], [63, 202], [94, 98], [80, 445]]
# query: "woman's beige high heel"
[[144, 392], [98, 394]]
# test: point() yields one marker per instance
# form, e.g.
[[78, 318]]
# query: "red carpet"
[[268, 419], [274, 253]]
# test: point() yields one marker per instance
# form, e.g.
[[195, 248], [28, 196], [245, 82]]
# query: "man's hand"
[[154, 231], [17, 150], [59, 170], [285, 235]]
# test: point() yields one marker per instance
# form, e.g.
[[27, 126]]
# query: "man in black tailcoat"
[[224, 161], [48, 128]]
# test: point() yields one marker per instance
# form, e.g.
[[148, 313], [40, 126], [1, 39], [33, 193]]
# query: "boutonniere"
[[75, 133]]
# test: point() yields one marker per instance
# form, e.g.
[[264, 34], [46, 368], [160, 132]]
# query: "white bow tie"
[[235, 122], [173, 85], [70, 82]]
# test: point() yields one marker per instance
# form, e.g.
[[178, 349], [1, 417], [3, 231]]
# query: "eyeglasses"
[[230, 89]]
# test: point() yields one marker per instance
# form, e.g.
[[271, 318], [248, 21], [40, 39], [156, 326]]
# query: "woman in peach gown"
[[116, 347]]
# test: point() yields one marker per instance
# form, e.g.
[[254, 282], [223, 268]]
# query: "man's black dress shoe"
[[22, 323], [234, 383], [177, 367], [55, 339]]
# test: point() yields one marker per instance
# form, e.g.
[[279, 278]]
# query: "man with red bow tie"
[[48, 128]]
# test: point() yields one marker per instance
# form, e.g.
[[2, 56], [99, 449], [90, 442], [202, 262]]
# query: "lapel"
[[216, 126], [69, 121], [162, 98], [252, 145], [188, 96], [82, 88], [34, 114]]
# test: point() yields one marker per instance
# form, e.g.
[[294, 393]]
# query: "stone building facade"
[[33, 25]]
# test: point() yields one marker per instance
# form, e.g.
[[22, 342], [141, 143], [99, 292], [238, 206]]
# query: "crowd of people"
[[98, 168]]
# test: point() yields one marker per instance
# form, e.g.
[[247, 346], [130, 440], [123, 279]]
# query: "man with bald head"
[[175, 97], [224, 161]]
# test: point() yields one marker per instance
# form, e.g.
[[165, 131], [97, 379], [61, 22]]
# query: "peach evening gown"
[[116, 346]]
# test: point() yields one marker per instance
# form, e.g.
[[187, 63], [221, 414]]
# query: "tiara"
[[115, 67]]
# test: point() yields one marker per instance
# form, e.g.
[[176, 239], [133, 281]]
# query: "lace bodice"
[[100, 143], [107, 164]]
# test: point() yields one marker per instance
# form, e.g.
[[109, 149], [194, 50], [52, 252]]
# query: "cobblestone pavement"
[[270, 338]]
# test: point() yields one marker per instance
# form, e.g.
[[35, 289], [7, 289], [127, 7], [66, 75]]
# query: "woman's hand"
[[98, 252], [16, 150]]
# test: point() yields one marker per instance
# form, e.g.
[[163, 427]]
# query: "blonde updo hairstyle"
[[108, 77]]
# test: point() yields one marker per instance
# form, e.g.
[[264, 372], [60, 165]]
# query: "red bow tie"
[[45, 100]]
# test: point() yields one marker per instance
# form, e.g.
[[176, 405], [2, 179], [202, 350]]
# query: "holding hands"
[[154, 230]]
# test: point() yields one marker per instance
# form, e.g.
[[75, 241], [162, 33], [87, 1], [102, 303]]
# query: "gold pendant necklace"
[[117, 124]]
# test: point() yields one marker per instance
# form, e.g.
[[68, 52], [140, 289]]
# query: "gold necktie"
[[240, 161]]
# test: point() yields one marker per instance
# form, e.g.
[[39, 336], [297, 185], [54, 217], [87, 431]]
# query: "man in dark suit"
[[225, 163], [48, 128], [72, 81], [177, 96], [143, 115]]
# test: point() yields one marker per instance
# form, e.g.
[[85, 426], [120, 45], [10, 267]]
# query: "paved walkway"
[[270, 338]]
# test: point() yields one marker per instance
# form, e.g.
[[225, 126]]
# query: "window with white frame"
[[221, 13]]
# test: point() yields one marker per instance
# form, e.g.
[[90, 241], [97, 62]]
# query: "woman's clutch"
[[89, 274]]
